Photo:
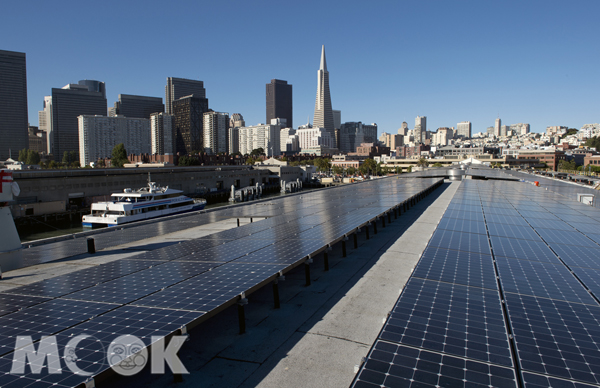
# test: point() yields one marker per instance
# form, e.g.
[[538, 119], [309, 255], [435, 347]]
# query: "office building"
[[181, 87], [65, 106], [37, 140], [422, 121], [403, 130], [188, 117], [45, 122], [463, 129], [98, 135], [265, 136], [351, 136], [137, 106], [316, 137], [279, 101], [392, 141], [13, 104], [162, 132], [418, 137], [370, 132], [442, 136], [337, 118], [234, 140], [216, 132], [236, 121], [520, 129], [323, 117]]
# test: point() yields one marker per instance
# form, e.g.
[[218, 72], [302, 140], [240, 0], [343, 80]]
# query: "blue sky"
[[389, 61]]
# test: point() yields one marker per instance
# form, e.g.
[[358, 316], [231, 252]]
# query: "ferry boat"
[[147, 202]]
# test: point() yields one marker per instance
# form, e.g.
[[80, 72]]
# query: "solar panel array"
[[157, 292], [508, 287]]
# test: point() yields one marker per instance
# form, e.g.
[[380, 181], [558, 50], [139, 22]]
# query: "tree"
[[322, 164], [187, 160], [119, 155], [566, 165], [257, 152], [337, 170], [33, 157], [100, 163], [351, 170], [398, 170], [370, 165], [53, 164], [409, 169], [422, 162], [22, 155], [438, 164]]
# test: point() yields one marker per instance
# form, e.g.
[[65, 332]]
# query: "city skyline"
[[389, 69]]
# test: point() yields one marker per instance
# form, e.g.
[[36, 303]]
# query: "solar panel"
[[452, 319], [467, 268], [575, 256], [462, 225], [541, 279], [522, 249], [392, 365], [469, 242], [556, 338]]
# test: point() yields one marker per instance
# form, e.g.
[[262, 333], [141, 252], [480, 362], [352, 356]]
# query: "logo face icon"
[[127, 355], [83, 342]]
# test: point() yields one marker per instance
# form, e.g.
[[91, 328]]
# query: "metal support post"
[[238, 220], [326, 261], [344, 247], [383, 221], [242, 314], [276, 293], [355, 241], [375, 226], [91, 246], [307, 271], [389, 217], [367, 230]]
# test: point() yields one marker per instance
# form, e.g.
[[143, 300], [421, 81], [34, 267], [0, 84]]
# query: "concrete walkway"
[[321, 332]]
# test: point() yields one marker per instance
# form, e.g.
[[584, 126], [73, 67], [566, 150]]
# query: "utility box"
[[588, 199]]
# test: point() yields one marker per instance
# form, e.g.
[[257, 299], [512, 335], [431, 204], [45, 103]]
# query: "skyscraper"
[[138, 106], [73, 100], [279, 101], [420, 131], [323, 112], [162, 134], [181, 87], [188, 113], [13, 104], [216, 132], [464, 129]]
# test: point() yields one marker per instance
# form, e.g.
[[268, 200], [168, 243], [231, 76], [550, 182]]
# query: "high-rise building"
[[181, 87], [37, 140], [236, 121], [351, 136], [519, 129], [497, 127], [188, 112], [403, 130], [73, 100], [13, 104], [279, 101], [313, 138], [162, 133], [418, 135], [337, 119], [323, 112], [284, 136], [422, 121], [45, 122], [138, 106], [216, 132], [98, 135], [370, 131], [265, 136], [464, 129], [234, 140]]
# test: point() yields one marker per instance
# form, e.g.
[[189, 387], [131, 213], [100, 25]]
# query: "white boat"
[[147, 202]]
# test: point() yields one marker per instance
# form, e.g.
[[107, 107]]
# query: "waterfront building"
[[265, 136]]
